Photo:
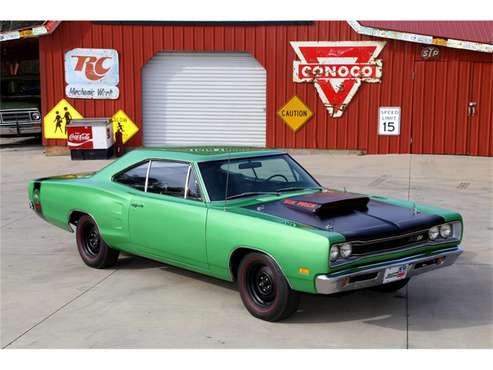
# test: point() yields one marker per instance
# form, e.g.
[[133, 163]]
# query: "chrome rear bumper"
[[372, 275]]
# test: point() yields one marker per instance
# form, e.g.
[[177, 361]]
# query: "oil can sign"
[[389, 121], [92, 74]]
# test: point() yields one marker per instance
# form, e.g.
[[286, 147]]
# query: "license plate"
[[395, 273]]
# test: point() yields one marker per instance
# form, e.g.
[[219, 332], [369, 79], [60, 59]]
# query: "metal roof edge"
[[420, 39], [45, 29]]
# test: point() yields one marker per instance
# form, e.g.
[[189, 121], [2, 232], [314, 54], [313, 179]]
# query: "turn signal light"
[[304, 271]]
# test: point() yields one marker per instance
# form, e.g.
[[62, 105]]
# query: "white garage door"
[[203, 99]]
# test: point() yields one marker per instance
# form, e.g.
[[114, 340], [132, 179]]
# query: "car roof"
[[203, 153]]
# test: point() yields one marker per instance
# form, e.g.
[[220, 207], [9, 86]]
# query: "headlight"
[[345, 250], [334, 253], [433, 233], [35, 116], [445, 231]]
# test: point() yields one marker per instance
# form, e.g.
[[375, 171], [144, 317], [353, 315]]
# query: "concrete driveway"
[[50, 299]]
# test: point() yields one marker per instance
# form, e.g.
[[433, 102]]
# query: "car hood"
[[355, 216]]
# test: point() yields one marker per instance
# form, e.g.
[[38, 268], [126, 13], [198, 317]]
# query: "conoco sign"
[[337, 69]]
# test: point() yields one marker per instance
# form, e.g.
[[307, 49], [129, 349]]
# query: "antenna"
[[227, 181], [410, 167]]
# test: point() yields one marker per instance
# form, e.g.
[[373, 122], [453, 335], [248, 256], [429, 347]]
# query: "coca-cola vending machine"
[[90, 138]]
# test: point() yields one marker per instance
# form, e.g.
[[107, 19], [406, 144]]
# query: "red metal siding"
[[423, 89]]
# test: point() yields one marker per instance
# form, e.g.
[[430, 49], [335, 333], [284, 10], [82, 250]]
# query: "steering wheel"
[[277, 175]]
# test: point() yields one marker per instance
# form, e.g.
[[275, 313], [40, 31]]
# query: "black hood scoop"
[[355, 216], [327, 203]]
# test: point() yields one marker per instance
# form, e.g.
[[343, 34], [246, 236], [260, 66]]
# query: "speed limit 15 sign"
[[389, 121]]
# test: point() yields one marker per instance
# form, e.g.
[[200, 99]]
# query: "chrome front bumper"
[[372, 275], [20, 129]]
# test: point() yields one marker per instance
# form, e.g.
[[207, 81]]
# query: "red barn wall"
[[431, 94]]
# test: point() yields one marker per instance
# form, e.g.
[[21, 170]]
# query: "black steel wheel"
[[92, 248], [264, 290], [91, 240], [261, 284]]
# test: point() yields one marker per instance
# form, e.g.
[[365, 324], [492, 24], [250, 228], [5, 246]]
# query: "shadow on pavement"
[[19, 142], [387, 310]]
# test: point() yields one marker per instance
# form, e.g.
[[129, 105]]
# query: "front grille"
[[361, 248], [17, 116], [14, 117]]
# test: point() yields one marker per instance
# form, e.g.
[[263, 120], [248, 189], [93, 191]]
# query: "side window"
[[134, 177], [167, 178], [193, 187]]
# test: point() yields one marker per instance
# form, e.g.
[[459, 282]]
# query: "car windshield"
[[246, 177]]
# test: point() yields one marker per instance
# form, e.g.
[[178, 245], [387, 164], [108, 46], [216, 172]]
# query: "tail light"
[[36, 200]]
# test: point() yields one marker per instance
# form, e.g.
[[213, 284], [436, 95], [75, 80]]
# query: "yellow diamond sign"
[[55, 122], [295, 113], [122, 123]]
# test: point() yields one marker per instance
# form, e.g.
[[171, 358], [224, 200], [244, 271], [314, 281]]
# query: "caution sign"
[[56, 121], [123, 124], [295, 113]]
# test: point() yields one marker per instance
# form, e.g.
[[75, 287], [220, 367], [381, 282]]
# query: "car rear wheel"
[[92, 248], [264, 290], [392, 287]]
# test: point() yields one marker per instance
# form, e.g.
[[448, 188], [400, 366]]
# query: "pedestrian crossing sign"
[[56, 121], [123, 124]]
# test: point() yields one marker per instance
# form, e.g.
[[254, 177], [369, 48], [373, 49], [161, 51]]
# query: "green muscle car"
[[251, 216]]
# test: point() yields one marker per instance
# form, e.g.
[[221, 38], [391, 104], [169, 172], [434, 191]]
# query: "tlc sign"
[[92, 73], [337, 69]]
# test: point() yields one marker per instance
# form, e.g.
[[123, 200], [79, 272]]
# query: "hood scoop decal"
[[327, 203]]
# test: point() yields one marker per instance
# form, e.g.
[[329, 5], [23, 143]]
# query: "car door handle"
[[137, 205]]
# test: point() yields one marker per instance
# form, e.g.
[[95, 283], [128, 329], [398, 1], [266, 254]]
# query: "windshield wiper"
[[249, 193], [293, 188]]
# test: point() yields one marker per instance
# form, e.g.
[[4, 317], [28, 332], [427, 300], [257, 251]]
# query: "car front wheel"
[[264, 290], [92, 248]]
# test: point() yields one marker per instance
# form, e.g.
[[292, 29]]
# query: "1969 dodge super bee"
[[251, 216]]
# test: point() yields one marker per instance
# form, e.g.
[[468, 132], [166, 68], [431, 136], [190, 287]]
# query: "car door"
[[168, 218]]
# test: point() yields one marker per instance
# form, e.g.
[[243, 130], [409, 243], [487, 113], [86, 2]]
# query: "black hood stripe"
[[378, 220]]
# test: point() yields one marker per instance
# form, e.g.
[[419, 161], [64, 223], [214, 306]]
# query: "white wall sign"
[[389, 121], [92, 74]]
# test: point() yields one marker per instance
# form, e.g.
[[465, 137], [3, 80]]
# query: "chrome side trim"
[[341, 281]]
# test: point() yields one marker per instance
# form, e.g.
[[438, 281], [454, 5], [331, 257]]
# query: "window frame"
[[203, 195]]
